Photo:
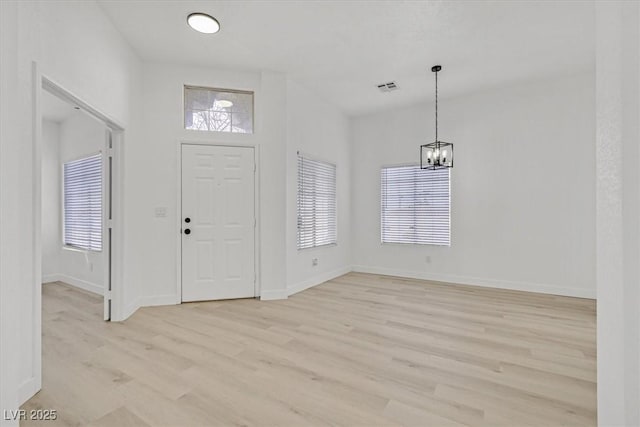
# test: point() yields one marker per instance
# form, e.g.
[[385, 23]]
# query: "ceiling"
[[343, 49]]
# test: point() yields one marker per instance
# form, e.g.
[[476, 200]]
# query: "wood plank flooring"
[[359, 350]]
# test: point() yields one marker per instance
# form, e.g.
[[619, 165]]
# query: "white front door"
[[218, 222]]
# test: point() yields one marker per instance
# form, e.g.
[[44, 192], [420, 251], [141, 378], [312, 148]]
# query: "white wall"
[[153, 255], [618, 212], [51, 200], [75, 45], [287, 119], [316, 128], [78, 136], [522, 204], [14, 257], [497, 241]]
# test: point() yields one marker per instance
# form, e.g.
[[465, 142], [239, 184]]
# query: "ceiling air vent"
[[388, 87]]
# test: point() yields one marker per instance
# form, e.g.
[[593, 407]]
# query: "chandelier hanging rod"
[[437, 154], [435, 69]]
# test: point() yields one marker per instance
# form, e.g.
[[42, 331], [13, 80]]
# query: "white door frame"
[[40, 83], [256, 193]]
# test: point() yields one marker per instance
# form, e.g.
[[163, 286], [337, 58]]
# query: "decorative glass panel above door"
[[218, 110]]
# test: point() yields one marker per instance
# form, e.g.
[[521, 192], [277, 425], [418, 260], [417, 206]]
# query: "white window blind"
[[317, 215], [415, 205], [83, 203]]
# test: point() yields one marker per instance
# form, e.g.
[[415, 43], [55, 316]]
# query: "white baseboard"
[[73, 281], [152, 301], [129, 310], [317, 280], [273, 295], [27, 390], [48, 278], [474, 281]]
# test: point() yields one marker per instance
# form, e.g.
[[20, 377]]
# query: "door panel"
[[218, 198]]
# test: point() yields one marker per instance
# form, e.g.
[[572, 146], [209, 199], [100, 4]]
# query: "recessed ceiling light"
[[203, 23], [224, 103]]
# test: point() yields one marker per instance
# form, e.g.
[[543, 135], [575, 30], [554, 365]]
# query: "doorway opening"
[[94, 257], [74, 180], [78, 152]]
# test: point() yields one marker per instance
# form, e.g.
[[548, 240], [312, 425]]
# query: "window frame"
[[72, 247], [333, 165], [217, 89], [417, 169]]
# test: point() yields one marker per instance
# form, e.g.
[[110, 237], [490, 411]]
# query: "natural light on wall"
[[218, 110]]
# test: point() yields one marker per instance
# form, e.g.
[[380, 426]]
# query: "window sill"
[[415, 244], [74, 249], [328, 245]]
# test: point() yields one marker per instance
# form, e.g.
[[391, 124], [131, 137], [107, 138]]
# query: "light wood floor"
[[359, 350]]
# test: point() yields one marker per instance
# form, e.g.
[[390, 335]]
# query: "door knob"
[[187, 231], [187, 220]]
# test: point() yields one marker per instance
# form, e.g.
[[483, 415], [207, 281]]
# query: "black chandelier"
[[437, 154]]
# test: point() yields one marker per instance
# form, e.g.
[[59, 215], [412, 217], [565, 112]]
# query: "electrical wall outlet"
[[314, 262]]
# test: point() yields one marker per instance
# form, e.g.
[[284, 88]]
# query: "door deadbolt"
[[187, 220]]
